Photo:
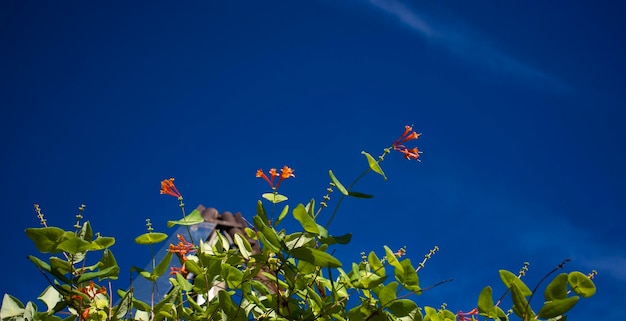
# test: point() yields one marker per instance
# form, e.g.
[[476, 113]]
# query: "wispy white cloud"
[[467, 45]]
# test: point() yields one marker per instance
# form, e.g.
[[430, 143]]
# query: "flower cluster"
[[408, 135], [168, 187], [285, 173], [91, 291], [182, 249]]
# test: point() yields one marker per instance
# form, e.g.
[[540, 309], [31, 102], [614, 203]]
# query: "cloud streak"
[[472, 49]]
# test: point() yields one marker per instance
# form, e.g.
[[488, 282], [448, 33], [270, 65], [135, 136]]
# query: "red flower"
[[408, 135], [285, 173], [168, 187]]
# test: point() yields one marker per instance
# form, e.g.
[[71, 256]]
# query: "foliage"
[[292, 276]]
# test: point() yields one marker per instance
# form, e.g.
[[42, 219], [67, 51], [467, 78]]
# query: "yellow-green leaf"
[[374, 164], [337, 184], [150, 238]]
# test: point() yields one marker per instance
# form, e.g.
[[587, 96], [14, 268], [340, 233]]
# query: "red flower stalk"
[[168, 187], [285, 173], [408, 135], [182, 248]]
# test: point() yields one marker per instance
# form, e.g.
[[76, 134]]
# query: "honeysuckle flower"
[[399, 146], [182, 248], [410, 153], [168, 187], [91, 291], [465, 316], [182, 270], [285, 173]]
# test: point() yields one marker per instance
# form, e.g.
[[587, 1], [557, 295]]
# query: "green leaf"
[[359, 195], [299, 239], [50, 296], [307, 222], [274, 197], [557, 307], [193, 218], [408, 278], [405, 310], [508, 278], [107, 261], [446, 315], [557, 288], [74, 244], [139, 305], [581, 284], [30, 311], [183, 283], [368, 280], [244, 246], [162, 266], [46, 239], [282, 215], [485, 301], [520, 304], [102, 243], [343, 239], [374, 164], [376, 265], [232, 276], [337, 184], [260, 211], [103, 273], [150, 238], [267, 235], [61, 266], [388, 293], [11, 307], [230, 310], [431, 314], [124, 306], [315, 257], [393, 261], [86, 233], [46, 267]]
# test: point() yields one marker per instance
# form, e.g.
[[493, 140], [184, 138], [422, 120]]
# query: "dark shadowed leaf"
[[557, 289], [359, 195]]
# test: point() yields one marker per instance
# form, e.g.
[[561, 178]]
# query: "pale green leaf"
[[374, 164]]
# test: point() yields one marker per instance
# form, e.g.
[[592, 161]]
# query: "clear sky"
[[521, 106]]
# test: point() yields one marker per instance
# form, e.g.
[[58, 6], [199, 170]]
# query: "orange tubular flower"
[[408, 135], [285, 173], [182, 248], [182, 270], [168, 187]]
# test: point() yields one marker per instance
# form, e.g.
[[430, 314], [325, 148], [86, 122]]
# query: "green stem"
[[380, 159]]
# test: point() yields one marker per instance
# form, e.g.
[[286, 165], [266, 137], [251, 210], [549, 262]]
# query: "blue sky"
[[521, 106]]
